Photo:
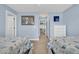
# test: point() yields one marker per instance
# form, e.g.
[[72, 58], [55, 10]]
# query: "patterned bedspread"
[[65, 45], [14, 45]]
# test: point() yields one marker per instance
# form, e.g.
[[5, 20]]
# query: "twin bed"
[[64, 45], [57, 45], [16, 45]]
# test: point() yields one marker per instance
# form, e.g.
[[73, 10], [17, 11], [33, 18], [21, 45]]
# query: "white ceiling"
[[41, 8]]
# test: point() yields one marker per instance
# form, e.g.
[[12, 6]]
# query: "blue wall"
[[23, 31], [71, 19], [52, 23], [3, 9], [31, 31], [2, 20]]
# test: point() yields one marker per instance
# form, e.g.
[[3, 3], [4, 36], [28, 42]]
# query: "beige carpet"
[[40, 47]]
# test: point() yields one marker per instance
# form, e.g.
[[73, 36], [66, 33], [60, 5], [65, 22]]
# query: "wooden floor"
[[40, 47]]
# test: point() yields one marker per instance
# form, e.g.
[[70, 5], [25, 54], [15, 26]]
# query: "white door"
[[10, 26]]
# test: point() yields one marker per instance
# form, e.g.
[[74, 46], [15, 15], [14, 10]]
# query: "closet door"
[[10, 25]]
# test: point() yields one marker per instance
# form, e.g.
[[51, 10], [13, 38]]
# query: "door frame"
[[44, 15], [8, 12]]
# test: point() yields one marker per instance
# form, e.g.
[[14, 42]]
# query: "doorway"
[[10, 24], [43, 24], [40, 47]]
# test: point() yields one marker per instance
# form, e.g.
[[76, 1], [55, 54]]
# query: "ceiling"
[[40, 8]]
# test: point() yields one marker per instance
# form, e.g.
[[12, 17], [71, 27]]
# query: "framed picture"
[[56, 18], [27, 20]]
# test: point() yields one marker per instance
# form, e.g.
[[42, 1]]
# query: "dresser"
[[59, 30]]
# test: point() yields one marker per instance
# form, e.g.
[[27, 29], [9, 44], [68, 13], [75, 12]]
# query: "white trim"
[[8, 12], [45, 27]]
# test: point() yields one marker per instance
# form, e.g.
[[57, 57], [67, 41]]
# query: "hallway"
[[40, 47]]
